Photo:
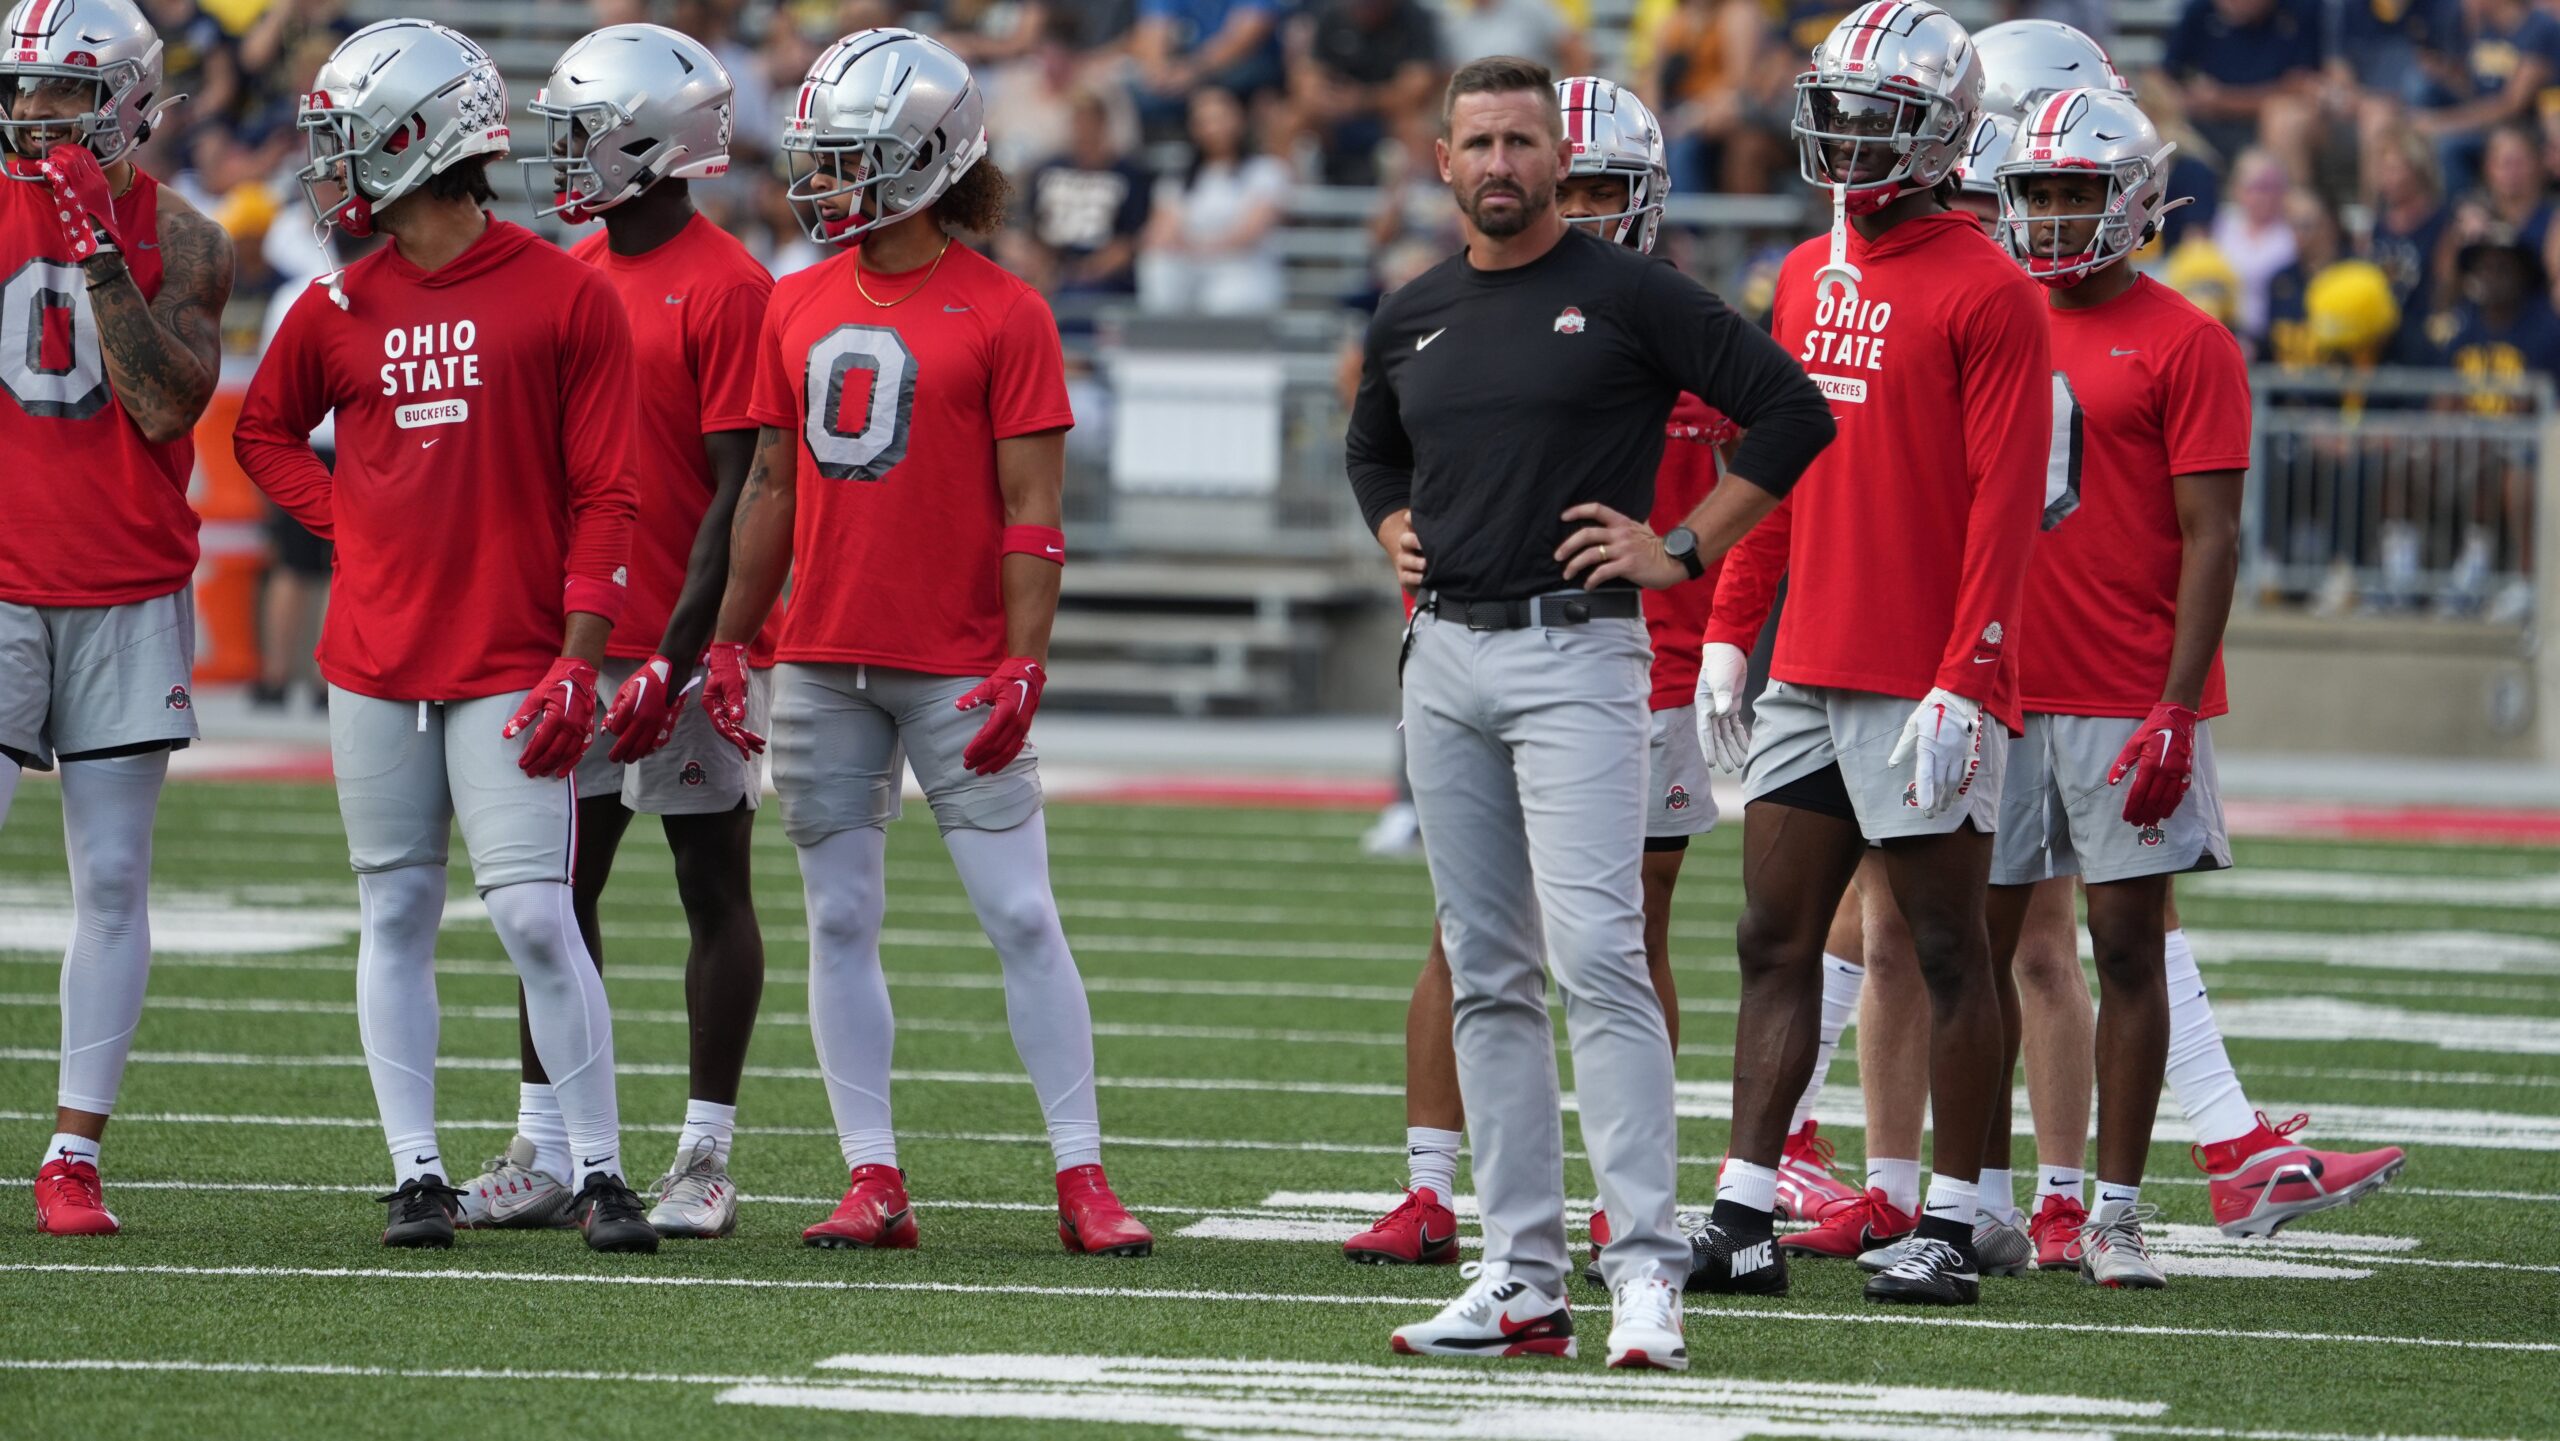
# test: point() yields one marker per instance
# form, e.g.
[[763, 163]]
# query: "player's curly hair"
[[977, 202], [468, 180]]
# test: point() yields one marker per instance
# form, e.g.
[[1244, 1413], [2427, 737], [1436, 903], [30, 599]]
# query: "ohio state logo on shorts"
[[1911, 794], [178, 698], [2151, 835], [693, 774], [1677, 799]]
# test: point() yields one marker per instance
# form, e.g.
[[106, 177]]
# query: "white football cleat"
[[509, 1194], [1644, 1334], [696, 1199], [1494, 1316]]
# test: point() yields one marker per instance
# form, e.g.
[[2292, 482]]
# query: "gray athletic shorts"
[[2059, 817], [1797, 730], [407, 771], [840, 733], [1679, 798], [697, 773], [76, 680]]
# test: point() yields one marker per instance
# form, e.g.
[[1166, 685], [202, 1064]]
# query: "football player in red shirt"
[[1615, 187], [113, 292], [635, 113], [482, 508], [1909, 547], [2139, 578], [914, 414]]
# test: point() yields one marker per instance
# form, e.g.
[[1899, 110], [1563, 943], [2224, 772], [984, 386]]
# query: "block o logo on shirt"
[[861, 398]]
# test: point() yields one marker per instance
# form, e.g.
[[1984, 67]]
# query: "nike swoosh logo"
[[146, 245], [429, 444], [422, 1160], [2121, 354], [955, 310], [598, 1161], [1942, 1210], [1435, 335], [675, 300], [1056, 550], [1434, 1243], [1986, 660], [1024, 689]]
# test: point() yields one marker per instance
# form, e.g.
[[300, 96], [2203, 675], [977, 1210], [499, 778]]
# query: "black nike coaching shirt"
[[1491, 401]]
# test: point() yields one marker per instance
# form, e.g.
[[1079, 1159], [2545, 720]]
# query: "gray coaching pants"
[[1527, 753]]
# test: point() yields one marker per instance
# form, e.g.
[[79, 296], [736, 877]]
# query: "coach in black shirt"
[[1508, 426]]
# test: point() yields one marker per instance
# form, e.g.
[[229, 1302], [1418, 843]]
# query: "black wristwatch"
[[1682, 545]]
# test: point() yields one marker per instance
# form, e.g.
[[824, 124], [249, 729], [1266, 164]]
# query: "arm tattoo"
[[164, 355]]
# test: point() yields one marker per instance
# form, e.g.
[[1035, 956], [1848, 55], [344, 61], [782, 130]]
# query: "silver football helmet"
[[1888, 103], [627, 107], [397, 102], [108, 44], [1976, 172], [1614, 134], [2081, 133], [886, 121], [2024, 61]]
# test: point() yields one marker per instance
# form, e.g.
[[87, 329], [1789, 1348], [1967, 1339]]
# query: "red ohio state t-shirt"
[[895, 548], [696, 305], [2162, 392], [1674, 617], [1906, 543]]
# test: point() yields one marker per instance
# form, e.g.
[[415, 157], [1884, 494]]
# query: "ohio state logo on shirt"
[[1569, 321], [1987, 650]]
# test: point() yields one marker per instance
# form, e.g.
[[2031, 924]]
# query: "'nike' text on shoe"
[[1731, 1263]]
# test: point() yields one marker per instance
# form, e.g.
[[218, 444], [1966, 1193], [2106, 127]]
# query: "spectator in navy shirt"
[[1361, 72], [2407, 221], [2505, 59], [2242, 67], [1084, 211], [2513, 199], [1184, 45]]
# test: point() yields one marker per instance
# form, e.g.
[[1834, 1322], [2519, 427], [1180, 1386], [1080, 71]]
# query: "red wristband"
[[595, 597], [1045, 541]]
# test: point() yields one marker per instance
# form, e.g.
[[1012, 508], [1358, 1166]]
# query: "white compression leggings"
[[1006, 874], [107, 810], [564, 1000]]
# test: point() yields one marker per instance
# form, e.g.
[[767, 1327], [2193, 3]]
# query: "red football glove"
[[561, 713], [643, 714], [724, 695], [81, 200], [1013, 695], [2162, 757]]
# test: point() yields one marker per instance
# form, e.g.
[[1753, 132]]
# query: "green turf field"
[[1248, 972]]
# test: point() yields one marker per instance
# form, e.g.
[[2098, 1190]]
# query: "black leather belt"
[[1569, 608]]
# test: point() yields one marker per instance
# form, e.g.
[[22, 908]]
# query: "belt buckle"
[[1482, 615]]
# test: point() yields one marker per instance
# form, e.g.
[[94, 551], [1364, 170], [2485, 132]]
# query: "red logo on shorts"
[[693, 774], [1678, 799], [178, 698], [2151, 835]]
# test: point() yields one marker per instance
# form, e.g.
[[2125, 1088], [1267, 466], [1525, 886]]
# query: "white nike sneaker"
[[509, 1194], [696, 1199], [1494, 1316], [1644, 1332]]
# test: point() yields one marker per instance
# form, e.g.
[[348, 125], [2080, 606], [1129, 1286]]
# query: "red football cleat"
[[2264, 1181], [70, 1201], [874, 1215], [2055, 1225], [1599, 1233], [1851, 1227], [1420, 1231], [1807, 1186], [1091, 1220]]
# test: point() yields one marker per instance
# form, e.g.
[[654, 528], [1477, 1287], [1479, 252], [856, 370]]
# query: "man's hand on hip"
[[1396, 537], [1610, 546]]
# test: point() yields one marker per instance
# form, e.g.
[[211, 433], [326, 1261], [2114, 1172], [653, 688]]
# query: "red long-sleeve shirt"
[[483, 487], [1907, 542]]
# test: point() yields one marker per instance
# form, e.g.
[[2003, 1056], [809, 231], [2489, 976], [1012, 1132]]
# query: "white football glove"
[[1945, 731], [1724, 735]]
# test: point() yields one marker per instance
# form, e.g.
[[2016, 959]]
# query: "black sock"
[[1958, 1234], [1737, 1219]]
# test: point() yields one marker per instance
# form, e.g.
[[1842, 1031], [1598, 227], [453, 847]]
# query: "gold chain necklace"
[[866, 294]]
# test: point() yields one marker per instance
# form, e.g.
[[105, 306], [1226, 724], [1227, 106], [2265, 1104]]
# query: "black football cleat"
[[422, 1214], [611, 1216], [1930, 1273], [1732, 1263]]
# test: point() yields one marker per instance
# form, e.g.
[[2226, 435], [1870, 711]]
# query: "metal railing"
[[2397, 492]]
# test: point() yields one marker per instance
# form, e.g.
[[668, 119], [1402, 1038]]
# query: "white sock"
[[538, 1120], [1952, 1200], [1899, 1180], [396, 1012], [1745, 1184], [844, 879], [2114, 1198], [1840, 983], [2199, 1071], [1006, 874], [107, 810], [708, 1121], [564, 1003], [2061, 1181], [67, 1147], [1999, 1196], [1432, 1160]]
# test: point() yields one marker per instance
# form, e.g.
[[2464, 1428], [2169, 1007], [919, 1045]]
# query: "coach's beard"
[[1503, 224]]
